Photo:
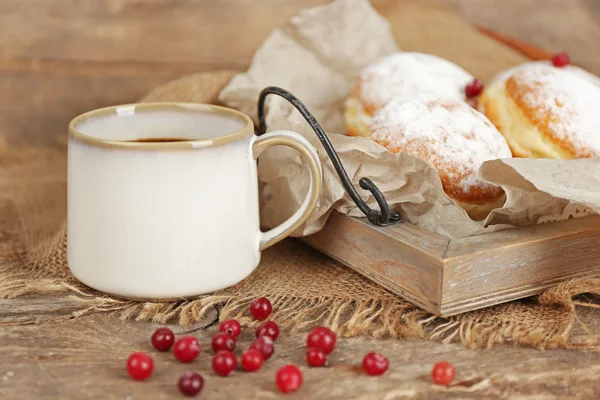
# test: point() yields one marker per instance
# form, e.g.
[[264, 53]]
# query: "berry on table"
[[443, 373], [264, 344], [268, 328], [186, 349], [289, 379], [261, 308], [315, 357], [474, 88], [190, 383], [321, 338], [140, 366], [561, 60], [375, 364], [162, 339], [252, 360], [232, 327], [223, 341], [224, 363]]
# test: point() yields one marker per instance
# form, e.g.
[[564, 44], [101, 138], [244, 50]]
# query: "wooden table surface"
[[58, 59]]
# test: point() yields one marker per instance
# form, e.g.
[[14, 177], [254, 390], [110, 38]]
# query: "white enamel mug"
[[163, 198]]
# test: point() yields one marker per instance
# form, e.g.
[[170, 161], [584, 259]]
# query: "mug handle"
[[302, 146]]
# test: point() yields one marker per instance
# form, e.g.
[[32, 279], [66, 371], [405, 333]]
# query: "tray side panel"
[[541, 257], [412, 271]]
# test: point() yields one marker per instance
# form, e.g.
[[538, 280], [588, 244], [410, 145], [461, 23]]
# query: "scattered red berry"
[[321, 338], [223, 341], [140, 366], [375, 364], [474, 88], [186, 349], [289, 379], [162, 339], [264, 344], [268, 328], [232, 327], [315, 357], [190, 383], [261, 308], [224, 362], [252, 360], [561, 60], [443, 373]]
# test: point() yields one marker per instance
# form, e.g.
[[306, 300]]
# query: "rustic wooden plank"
[[104, 68], [35, 310], [524, 236], [206, 35], [554, 25], [447, 277], [85, 358], [504, 266], [404, 259], [219, 35], [36, 107], [418, 238]]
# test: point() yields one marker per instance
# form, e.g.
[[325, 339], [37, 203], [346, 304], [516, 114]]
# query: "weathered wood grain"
[[85, 358], [508, 265], [553, 25], [61, 58], [403, 258], [35, 108], [158, 36], [35, 310], [448, 277]]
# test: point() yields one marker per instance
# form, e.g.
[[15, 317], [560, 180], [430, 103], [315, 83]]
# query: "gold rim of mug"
[[169, 106]]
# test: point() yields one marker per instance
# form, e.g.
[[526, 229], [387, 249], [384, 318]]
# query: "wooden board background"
[[60, 58]]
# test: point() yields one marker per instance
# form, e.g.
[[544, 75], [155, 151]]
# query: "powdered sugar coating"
[[448, 134], [405, 76], [573, 69], [563, 105]]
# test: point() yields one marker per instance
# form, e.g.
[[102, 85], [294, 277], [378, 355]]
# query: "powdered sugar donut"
[[573, 69], [451, 136], [401, 76], [545, 112]]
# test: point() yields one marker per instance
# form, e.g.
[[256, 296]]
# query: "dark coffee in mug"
[[158, 140]]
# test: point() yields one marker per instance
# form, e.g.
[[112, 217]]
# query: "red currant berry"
[[252, 360], [264, 344], [561, 60], [375, 364], [224, 362], [474, 88], [261, 308], [321, 338], [315, 357], [268, 328], [232, 327], [190, 383], [186, 349], [162, 339], [289, 379], [140, 366], [443, 373], [223, 341]]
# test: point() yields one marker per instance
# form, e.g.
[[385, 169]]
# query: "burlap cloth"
[[306, 287]]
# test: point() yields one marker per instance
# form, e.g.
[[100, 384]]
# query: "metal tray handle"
[[382, 217]]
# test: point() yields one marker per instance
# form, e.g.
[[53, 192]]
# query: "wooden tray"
[[448, 277]]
